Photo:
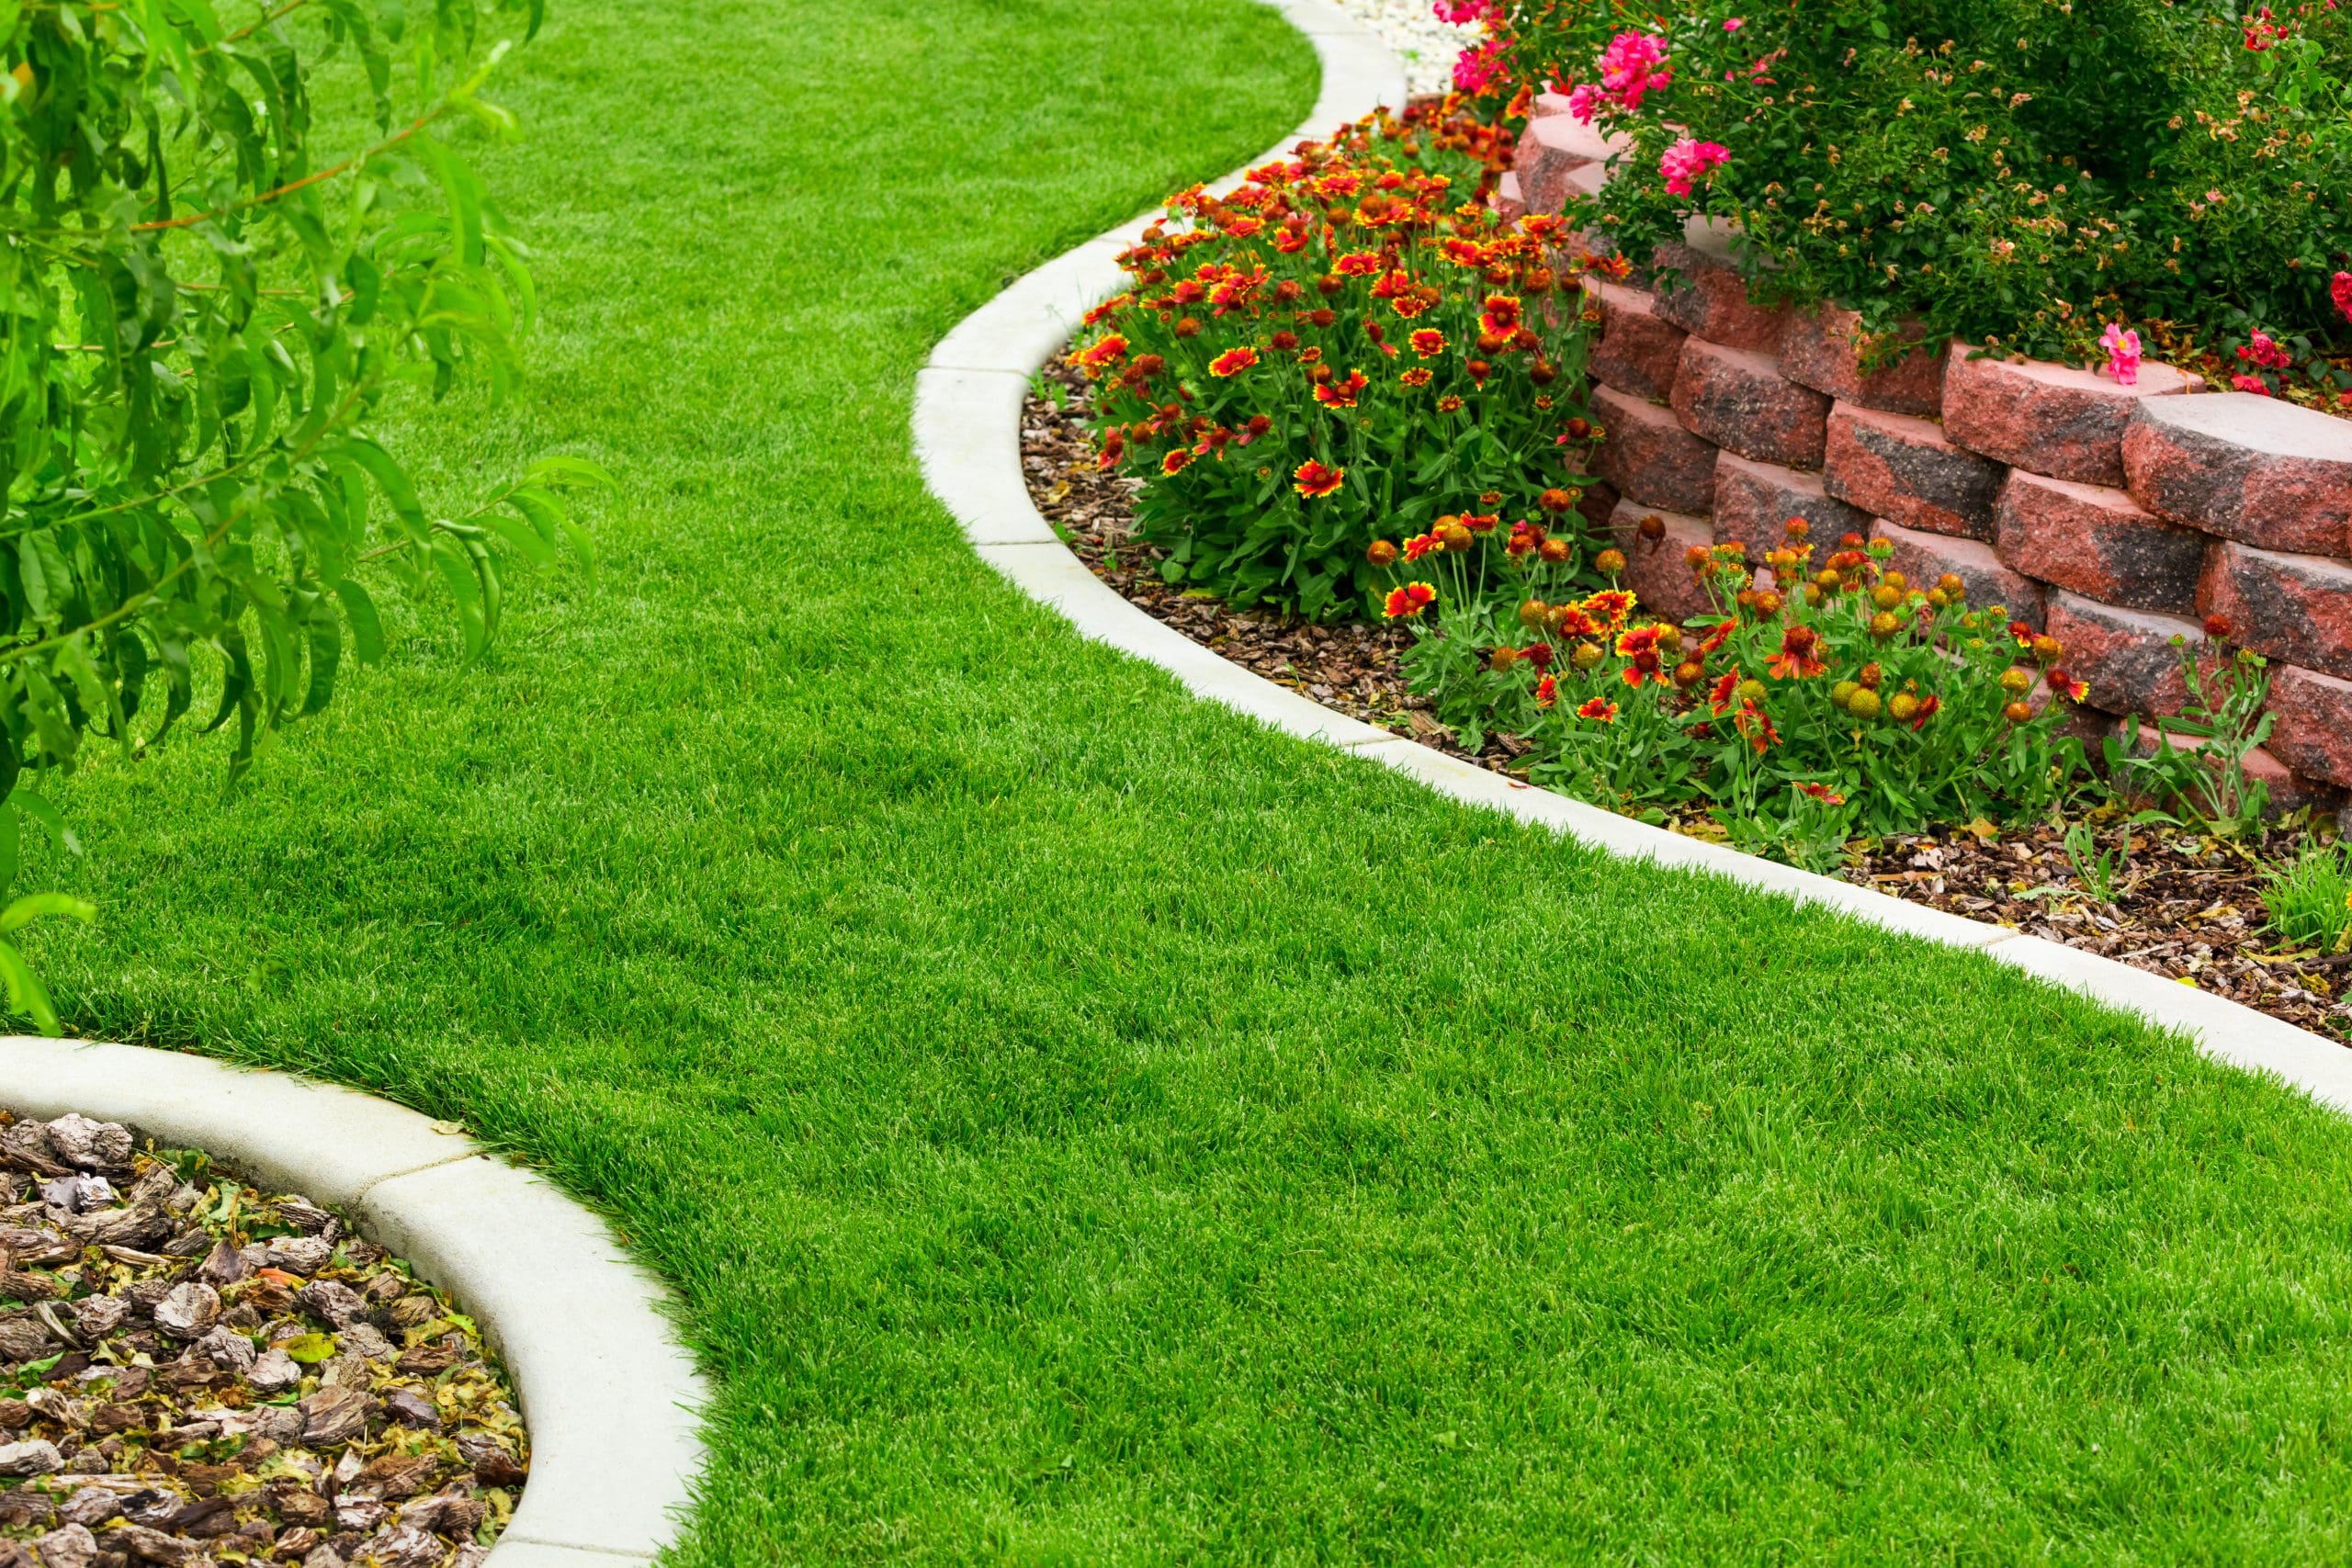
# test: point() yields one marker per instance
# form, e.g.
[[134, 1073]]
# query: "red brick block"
[[1550, 148], [2247, 468], [1820, 349], [1709, 299], [1659, 570], [1755, 501], [1650, 457], [2290, 790], [2297, 608], [2126, 657], [1903, 469], [1923, 557], [2048, 418], [2311, 722], [1737, 399], [2099, 543], [1637, 352], [1509, 205]]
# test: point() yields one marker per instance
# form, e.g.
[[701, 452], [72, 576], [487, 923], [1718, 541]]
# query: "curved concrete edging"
[[967, 435], [608, 1394]]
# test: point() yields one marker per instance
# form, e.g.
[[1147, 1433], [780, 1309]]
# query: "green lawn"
[[1084, 1129]]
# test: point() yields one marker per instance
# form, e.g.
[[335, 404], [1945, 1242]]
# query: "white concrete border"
[[967, 435], [610, 1396]]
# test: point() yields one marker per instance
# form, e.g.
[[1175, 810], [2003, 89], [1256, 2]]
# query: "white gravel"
[[1427, 46]]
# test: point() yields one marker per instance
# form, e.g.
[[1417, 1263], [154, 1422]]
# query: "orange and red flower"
[[1449, 404], [1427, 342], [1795, 660], [1174, 463], [1638, 647], [1357, 264], [1600, 708], [1102, 353], [1719, 697], [1421, 544], [1821, 793], [1502, 315], [1927, 711], [1315, 481], [1610, 608], [1547, 691], [1751, 722], [1233, 362], [2066, 686], [1409, 599], [1341, 394], [1416, 377], [1716, 638]]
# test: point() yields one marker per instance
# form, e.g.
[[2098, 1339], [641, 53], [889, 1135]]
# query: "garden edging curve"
[[609, 1396], [967, 432]]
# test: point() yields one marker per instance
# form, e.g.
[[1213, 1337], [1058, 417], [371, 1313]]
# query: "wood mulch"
[[2185, 906]]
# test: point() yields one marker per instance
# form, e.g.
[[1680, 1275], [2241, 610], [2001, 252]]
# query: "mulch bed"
[[193, 1371], [2186, 906]]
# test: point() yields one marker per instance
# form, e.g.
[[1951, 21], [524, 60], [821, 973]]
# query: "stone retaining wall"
[[2117, 517]]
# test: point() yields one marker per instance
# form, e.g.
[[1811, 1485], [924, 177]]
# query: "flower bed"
[[2178, 902], [2116, 516], [200, 1372]]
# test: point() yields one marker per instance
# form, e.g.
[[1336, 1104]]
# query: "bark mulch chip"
[[2184, 905], [193, 1371]]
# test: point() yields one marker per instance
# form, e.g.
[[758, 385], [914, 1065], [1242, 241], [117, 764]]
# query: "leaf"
[[31, 907], [367, 631], [26, 994], [309, 1349]]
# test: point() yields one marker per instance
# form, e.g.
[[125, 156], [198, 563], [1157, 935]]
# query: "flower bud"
[[1587, 655], [2017, 713], [1532, 613], [1555, 551], [1609, 562], [2017, 681], [1381, 553], [1652, 527], [1869, 675], [1843, 692], [1902, 707], [1863, 704], [1885, 624]]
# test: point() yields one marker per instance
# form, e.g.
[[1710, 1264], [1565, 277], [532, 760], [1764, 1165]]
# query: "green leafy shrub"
[[213, 285], [1856, 703], [2005, 170], [1342, 347], [2195, 762]]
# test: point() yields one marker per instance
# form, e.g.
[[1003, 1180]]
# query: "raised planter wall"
[[2115, 517]]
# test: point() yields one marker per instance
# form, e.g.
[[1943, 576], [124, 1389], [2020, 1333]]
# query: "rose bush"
[[1849, 701], [1345, 346], [2004, 170]]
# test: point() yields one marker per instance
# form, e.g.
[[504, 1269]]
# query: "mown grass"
[[1083, 1128]]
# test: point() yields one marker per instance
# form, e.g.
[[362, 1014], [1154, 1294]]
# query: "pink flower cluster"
[[2339, 288], [1687, 161], [2122, 353], [1479, 66], [1629, 68], [1462, 13], [2261, 32], [2262, 352]]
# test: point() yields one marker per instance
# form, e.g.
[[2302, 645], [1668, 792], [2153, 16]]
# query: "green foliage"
[[2222, 720], [212, 285], [1859, 703], [2000, 169], [1342, 348], [2309, 899]]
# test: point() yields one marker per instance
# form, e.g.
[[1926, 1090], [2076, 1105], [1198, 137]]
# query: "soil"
[[2184, 904], [195, 1372]]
